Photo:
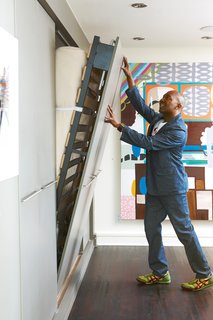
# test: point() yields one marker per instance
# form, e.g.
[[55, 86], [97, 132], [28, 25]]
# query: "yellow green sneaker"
[[198, 284], [153, 279]]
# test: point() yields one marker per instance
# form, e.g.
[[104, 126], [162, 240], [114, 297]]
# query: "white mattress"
[[69, 66]]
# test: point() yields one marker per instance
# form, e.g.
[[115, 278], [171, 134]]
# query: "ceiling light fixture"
[[138, 38], [207, 38], [139, 5], [207, 29]]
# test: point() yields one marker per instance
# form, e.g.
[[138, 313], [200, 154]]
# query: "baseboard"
[[74, 285], [140, 240]]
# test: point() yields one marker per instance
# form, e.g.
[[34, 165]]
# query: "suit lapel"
[[149, 133], [171, 123]]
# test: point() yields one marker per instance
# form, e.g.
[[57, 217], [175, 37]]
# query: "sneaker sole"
[[141, 282], [194, 290]]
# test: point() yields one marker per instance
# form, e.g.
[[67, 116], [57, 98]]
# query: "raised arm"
[[134, 96], [139, 104]]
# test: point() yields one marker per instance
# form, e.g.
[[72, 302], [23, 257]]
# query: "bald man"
[[167, 184]]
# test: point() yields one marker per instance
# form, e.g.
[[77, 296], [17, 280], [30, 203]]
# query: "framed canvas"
[[8, 106]]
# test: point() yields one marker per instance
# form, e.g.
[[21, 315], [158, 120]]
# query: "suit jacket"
[[165, 173]]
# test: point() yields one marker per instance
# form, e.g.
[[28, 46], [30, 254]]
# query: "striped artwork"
[[140, 71]]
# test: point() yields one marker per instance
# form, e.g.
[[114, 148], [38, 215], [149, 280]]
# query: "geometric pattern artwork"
[[199, 195], [198, 101], [195, 82]]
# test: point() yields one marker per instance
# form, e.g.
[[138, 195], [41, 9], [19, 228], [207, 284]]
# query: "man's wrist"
[[120, 127], [131, 82]]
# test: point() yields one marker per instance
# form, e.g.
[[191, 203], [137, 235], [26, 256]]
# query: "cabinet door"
[[38, 256], [36, 96], [37, 160]]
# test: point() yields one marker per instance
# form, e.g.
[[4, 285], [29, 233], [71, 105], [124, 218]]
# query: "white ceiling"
[[163, 23]]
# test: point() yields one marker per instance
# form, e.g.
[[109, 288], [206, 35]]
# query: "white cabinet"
[[9, 251], [38, 256], [36, 36]]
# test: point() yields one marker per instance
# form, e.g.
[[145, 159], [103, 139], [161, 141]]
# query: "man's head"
[[171, 104]]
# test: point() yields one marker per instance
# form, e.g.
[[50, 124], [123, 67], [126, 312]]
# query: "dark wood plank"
[[191, 196], [203, 214], [109, 290]]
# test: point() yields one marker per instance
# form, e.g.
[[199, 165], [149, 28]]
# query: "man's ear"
[[179, 106]]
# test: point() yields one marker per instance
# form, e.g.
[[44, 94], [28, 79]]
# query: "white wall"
[[108, 227], [7, 15]]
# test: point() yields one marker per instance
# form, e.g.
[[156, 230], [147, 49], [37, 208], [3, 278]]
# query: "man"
[[167, 184]]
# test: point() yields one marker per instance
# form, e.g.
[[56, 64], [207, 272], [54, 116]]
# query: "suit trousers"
[[176, 207]]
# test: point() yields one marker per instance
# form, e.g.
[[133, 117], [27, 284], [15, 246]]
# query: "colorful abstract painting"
[[8, 106], [195, 82]]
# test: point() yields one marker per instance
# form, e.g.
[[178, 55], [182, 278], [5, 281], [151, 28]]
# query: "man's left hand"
[[111, 118]]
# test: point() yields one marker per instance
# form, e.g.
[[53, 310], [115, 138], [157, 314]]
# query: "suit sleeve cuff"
[[130, 90]]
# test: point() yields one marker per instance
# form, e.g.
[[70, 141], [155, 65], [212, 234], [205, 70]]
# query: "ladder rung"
[[82, 153], [71, 178], [83, 128], [80, 144], [89, 111], [73, 162], [92, 93], [96, 76]]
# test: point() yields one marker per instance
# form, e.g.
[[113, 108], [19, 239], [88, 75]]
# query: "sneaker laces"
[[200, 283], [152, 278]]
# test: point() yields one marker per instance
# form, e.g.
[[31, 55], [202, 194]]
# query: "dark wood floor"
[[109, 290]]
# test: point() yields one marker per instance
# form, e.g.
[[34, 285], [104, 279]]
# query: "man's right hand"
[[128, 74], [126, 68]]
